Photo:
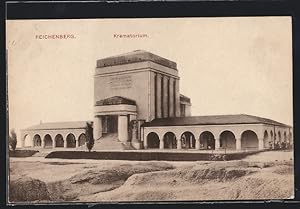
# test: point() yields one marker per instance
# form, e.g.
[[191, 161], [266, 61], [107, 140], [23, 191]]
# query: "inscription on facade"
[[120, 82]]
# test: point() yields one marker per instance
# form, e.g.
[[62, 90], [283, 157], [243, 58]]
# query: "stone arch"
[[285, 142], [48, 141], [170, 141], [290, 137], [71, 140], [267, 141], [227, 140], [188, 140], [249, 140], [37, 141], [81, 139], [271, 135], [284, 137], [290, 140], [59, 140], [207, 140], [279, 136], [28, 142], [153, 140]]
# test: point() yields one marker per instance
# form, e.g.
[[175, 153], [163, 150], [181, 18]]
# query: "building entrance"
[[110, 124]]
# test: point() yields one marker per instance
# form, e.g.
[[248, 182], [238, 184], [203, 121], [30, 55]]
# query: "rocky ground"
[[267, 175]]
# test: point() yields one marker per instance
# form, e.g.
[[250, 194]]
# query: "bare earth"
[[264, 176]]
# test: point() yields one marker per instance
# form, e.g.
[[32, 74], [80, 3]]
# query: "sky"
[[226, 65]]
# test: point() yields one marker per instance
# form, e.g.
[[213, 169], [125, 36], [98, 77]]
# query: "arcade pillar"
[[123, 128], [161, 143], [238, 144], [97, 127], [179, 146], [217, 144], [260, 143], [197, 145]]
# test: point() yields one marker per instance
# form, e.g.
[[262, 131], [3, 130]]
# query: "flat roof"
[[59, 125], [184, 98], [212, 120], [135, 56], [115, 100]]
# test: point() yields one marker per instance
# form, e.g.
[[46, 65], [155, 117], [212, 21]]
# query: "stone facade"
[[233, 136], [54, 135], [137, 99], [149, 80]]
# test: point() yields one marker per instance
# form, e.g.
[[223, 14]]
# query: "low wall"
[[22, 153], [145, 156]]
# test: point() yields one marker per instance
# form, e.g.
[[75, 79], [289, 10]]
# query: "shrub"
[[13, 140], [89, 136]]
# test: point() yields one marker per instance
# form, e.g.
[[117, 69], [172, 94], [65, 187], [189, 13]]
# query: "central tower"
[[133, 88]]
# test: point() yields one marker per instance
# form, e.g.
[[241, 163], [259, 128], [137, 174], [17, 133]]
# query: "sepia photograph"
[[150, 109]]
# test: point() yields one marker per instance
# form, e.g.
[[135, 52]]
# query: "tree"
[[89, 136], [13, 140]]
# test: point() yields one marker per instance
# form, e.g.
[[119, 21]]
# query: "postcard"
[[150, 109]]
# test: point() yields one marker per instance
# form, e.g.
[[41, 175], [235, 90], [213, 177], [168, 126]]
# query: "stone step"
[[111, 142]]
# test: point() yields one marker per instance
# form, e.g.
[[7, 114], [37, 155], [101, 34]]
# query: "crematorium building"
[[137, 105]]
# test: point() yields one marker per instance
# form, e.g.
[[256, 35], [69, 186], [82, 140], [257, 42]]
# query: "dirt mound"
[[254, 187], [163, 185], [191, 175], [24, 189], [284, 170], [205, 182], [150, 195], [223, 174], [98, 177], [243, 164], [94, 180], [120, 173]]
